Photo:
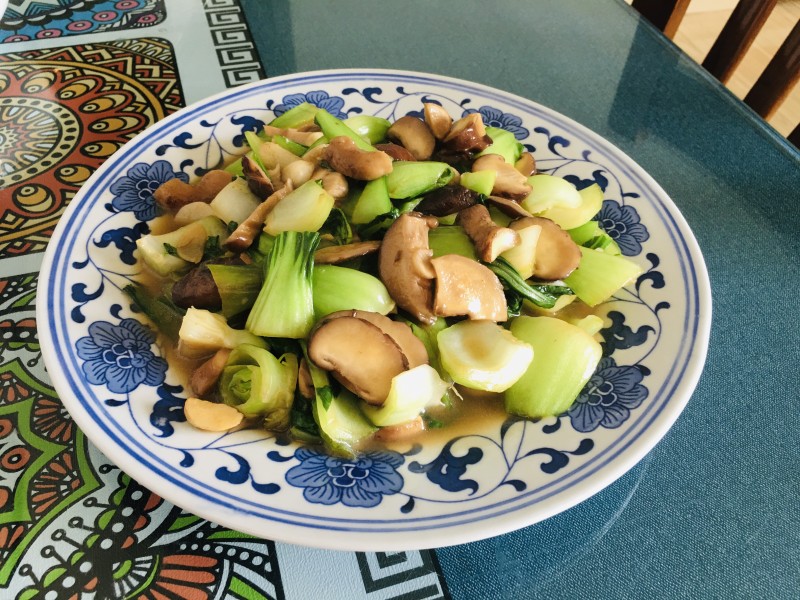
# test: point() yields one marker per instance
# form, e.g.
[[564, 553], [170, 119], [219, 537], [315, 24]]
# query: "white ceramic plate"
[[108, 368]]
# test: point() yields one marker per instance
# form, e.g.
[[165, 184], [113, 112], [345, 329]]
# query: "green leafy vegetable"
[[544, 296], [161, 310], [338, 227], [258, 384], [285, 304]]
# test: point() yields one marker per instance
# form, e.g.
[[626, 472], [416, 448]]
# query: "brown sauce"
[[473, 412]]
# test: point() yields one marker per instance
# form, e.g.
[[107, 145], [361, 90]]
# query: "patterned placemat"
[[78, 78]]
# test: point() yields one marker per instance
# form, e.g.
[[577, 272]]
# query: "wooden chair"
[[747, 19]]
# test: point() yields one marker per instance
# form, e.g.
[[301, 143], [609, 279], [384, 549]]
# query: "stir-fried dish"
[[347, 281]]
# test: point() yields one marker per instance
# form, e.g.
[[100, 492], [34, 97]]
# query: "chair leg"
[[777, 80], [666, 15], [794, 137], [736, 37]]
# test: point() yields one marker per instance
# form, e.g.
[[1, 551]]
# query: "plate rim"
[[623, 458]]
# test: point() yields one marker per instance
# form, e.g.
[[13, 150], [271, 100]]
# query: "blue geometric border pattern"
[[236, 51], [391, 574]]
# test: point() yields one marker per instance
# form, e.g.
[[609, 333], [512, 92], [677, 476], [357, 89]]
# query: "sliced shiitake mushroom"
[[405, 267], [468, 134], [359, 355], [526, 164], [396, 151], [332, 255], [401, 431], [257, 180], [205, 377], [447, 200], [306, 138], [305, 385], [414, 135], [438, 120], [490, 239], [348, 159], [466, 287], [175, 193], [509, 182], [411, 346], [508, 207], [249, 229], [332, 182], [557, 255], [197, 288]]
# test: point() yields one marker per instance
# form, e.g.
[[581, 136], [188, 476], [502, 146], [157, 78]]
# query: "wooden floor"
[[700, 28]]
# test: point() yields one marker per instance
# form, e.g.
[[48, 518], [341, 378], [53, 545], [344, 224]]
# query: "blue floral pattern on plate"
[[120, 356], [360, 481], [111, 374], [134, 191], [493, 117], [609, 397], [320, 98], [623, 225]]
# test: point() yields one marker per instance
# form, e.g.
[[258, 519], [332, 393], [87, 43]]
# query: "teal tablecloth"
[[714, 510]]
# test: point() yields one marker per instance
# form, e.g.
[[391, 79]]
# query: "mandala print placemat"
[[46, 19], [62, 113]]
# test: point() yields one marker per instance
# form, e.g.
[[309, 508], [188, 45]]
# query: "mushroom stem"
[[332, 255], [246, 232], [489, 239]]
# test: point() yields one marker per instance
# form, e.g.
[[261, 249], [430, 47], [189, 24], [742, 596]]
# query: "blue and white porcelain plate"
[[109, 368]]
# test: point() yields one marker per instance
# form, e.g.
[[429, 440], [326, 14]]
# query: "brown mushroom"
[[509, 182], [438, 120], [396, 151], [466, 287], [348, 159], [557, 255], [359, 355], [405, 267], [411, 346], [305, 385], [490, 240], [174, 193], [526, 164], [414, 135], [246, 232], [257, 180], [198, 289], [332, 182], [306, 138], [468, 134], [508, 207], [332, 255], [205, 377], [316, 154], [447, 200]]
